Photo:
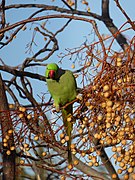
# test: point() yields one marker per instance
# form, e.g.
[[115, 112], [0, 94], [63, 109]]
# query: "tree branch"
[[111, 27], [22, 73], [6, 124]]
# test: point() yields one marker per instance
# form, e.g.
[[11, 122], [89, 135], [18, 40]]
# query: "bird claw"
[[57, 109]]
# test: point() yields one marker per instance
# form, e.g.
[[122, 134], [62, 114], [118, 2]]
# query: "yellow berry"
[[119, 81], [11, 106], [122, 164], [103, 104], [119, 171], [72, 146], [25, 145], [10, 131], [100, 117], [44, 153], [70, 166], [130, 170], [12, 148], [119, 64], [29, 116], [106, 94], [21, 115], [63, 141], [7, 137], [22, 109], [62, 135], [114, 176], [90, 163], [62, 178], [5, 144], [27, 149], [119, 148], [84, 139], [114, 149], [109, 103], [133, 176], [126, 177], [4, 140], [36, 138], [83, 154], [119, 59], [76, 162], [80, 131], [66, 138], [94, 159], [69, 119], [105, 88], [8, 152], [22, 162], [73, 151], [90, 107]]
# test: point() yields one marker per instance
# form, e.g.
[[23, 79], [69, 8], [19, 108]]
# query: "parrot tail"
[[66, 113]]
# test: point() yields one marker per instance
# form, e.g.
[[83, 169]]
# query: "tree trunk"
[[7, 138]]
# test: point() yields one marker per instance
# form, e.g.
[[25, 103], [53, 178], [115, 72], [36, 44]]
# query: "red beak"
[[52, 74]]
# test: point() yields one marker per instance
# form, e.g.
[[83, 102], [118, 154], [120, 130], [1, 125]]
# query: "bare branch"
[[111, 27], [125, 14], [21, 73]]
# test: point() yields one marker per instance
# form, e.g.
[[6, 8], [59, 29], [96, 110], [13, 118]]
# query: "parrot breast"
[[63, 90]]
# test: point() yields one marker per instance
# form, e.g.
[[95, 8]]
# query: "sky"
[[73, 36]]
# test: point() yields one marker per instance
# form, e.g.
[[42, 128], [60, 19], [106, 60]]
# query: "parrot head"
[[51, 71]]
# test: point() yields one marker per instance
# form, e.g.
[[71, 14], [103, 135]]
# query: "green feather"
[[67, 112], [62, 88]]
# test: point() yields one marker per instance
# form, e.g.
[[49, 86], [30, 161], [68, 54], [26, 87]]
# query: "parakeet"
[[63, 89]]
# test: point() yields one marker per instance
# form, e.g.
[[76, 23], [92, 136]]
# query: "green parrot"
[[63, 89]]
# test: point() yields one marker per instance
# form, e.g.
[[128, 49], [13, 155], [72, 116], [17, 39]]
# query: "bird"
[[63, 89]]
